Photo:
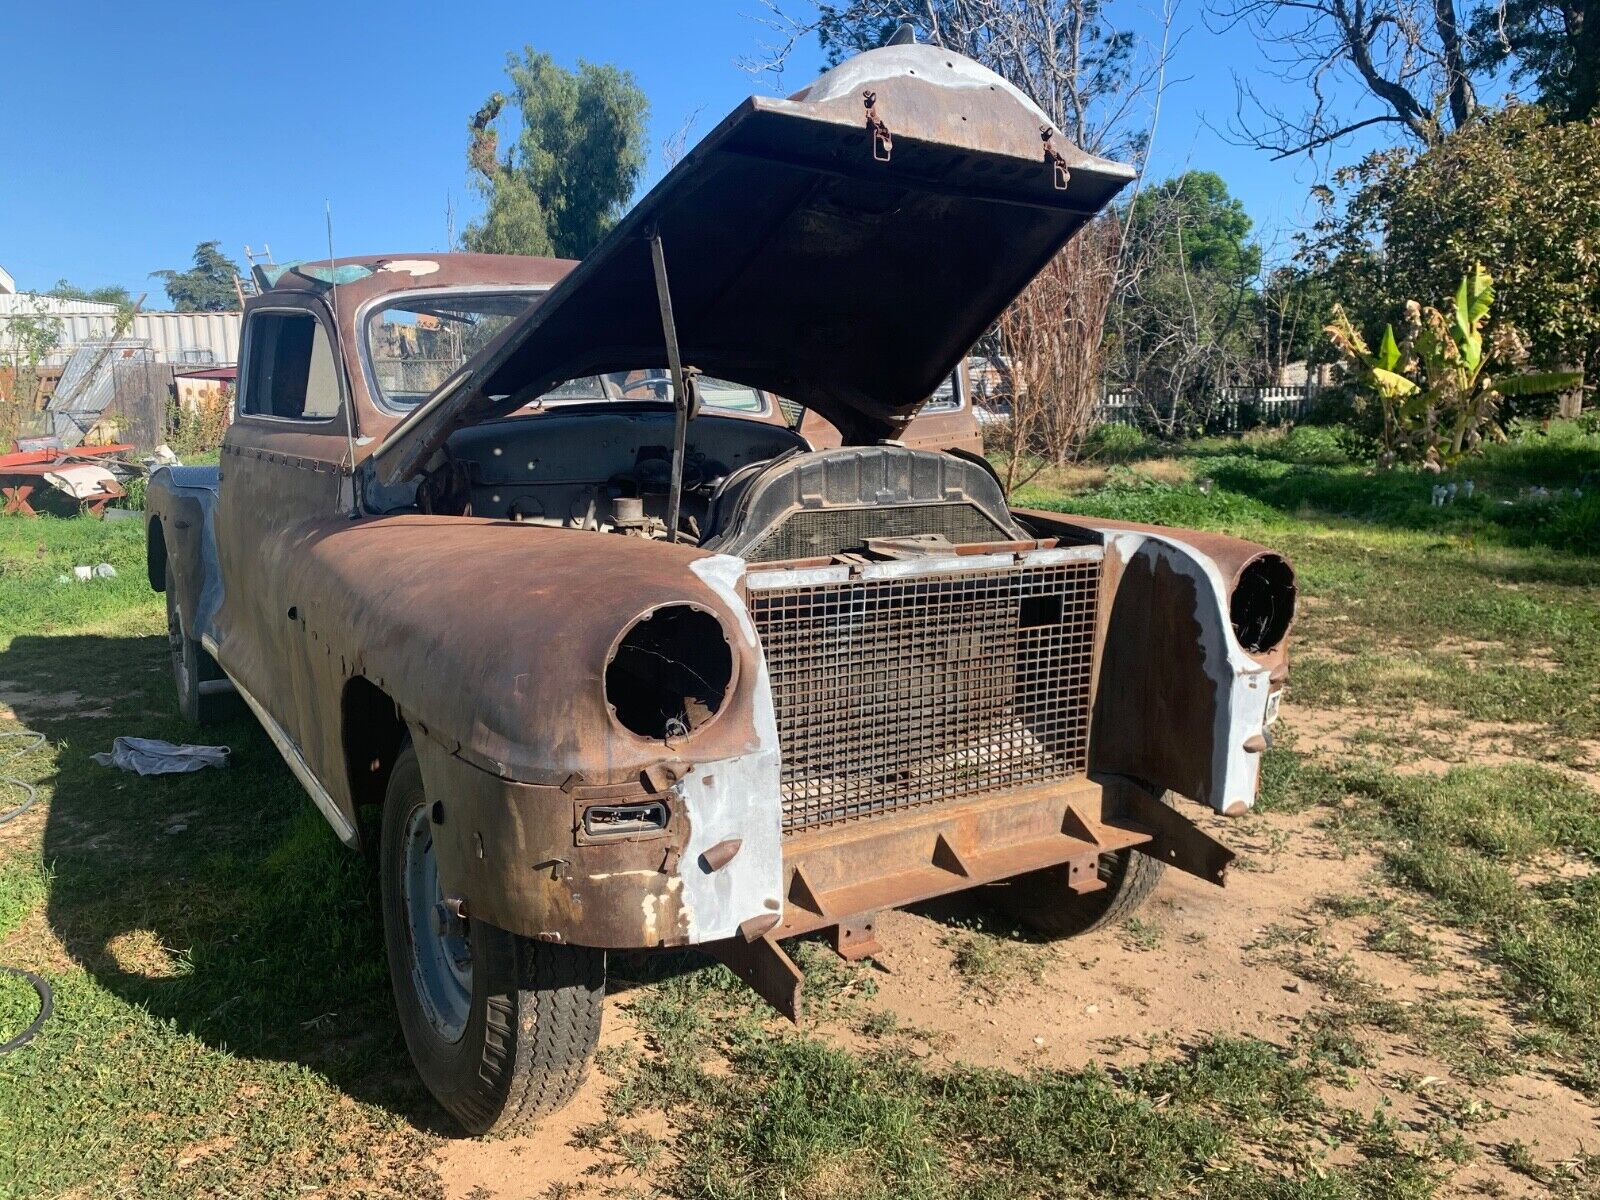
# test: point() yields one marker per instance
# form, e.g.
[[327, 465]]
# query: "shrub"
[[1439, 395], [199, 427], [1115, 443], [1514, 191]]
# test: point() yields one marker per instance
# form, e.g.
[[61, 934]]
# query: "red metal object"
[[22, 472]]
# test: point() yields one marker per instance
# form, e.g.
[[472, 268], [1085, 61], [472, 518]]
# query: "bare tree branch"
[[676, 144], [1409, 58]]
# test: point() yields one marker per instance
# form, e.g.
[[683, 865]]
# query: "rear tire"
[[1042, 902], [191, 667], [501, 1028]]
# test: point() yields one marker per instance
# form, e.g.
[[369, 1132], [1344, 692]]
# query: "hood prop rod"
[[684, 399]]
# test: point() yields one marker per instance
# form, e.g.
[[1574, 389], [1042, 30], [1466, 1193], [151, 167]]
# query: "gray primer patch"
[[742, 800], [1238, 681]]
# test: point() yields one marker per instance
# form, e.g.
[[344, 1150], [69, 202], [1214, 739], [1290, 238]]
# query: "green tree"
[[32, 334], [1193, 219], [578, 157], [1187, 321], [1295, 305], [1515, 192], [208, 286], [110, 293], [1555, 44]]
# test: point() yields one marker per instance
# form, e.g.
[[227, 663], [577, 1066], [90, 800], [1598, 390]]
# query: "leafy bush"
[[1328, 445], [1514, 191], [135, 489], [199, 427], [1440, 398], [1115, 443], [1319, 445], [1129, 497]]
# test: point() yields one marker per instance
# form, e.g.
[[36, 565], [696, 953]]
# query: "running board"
[[297, 764]]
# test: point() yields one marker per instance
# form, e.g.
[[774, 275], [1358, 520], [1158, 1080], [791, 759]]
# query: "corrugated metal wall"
[[183, 339], [187, 339]]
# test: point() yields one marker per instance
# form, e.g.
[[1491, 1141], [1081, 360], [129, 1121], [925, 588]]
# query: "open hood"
[[843, 247]]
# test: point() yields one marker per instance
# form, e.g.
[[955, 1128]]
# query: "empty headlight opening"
[[1263, 603], [670, 673]]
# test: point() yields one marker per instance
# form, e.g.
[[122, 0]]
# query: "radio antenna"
[[338, 348]]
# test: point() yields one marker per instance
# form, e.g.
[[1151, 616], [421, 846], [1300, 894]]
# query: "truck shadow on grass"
[[220, 900]]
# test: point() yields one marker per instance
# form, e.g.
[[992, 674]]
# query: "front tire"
[[1042, 903], [191, 668], [501, 1028]]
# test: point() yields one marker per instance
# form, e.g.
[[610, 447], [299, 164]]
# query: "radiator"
[[920, 682]]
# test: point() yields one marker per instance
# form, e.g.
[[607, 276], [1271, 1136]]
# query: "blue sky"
[[133, 131]]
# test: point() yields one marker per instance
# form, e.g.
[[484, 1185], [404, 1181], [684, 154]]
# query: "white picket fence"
[[1236, 408]]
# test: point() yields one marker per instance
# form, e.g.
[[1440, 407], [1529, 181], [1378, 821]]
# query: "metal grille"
[[904, 691], [817, 533]]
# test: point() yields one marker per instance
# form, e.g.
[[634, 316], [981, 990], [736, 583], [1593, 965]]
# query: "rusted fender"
[[182, 556], [495, 636], [1178, 702], [492, 638]]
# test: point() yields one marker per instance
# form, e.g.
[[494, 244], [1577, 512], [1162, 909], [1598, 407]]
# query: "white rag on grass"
[[151, 756]]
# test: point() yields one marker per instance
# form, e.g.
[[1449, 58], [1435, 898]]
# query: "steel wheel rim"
[[441, 952]]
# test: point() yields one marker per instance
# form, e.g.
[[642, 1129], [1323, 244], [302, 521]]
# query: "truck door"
[[281, 487]]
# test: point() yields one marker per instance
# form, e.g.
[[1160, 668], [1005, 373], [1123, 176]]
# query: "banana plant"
[[1439, 384]]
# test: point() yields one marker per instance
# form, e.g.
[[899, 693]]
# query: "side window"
[[289, 368], [945, 399]]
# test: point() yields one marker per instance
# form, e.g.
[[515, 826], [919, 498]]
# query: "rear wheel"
[[192, 668], [501, 1028], [1042, 902]]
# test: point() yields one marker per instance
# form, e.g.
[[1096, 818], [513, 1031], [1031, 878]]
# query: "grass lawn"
[[223, 1025]]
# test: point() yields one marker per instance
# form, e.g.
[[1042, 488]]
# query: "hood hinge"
[[1058, 164], [882, 142]]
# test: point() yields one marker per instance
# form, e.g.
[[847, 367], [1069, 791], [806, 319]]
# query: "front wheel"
[[501, 1028], [1042, 902], [192, 668]]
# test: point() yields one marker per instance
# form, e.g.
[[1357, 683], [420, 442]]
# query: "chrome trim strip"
[[1061, 554], [758, 581], [910, 567], [345, 831], [765, 580]]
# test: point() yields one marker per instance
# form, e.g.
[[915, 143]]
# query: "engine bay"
[[750, 487], [605, 468]]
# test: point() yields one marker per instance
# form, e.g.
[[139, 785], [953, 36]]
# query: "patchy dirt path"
[[1286, 948]]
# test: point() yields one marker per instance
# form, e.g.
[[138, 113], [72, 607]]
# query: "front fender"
[[492, 639], [1178, 702], [180, 503]]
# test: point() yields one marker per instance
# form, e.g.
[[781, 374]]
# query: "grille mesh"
[[893, 693], [817, 533]]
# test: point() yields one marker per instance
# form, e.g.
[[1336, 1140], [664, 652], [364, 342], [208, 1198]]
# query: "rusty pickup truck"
[[545, 611]]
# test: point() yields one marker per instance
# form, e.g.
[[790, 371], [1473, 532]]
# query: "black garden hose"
[[46, 1004], [31, 794], [26, 788]]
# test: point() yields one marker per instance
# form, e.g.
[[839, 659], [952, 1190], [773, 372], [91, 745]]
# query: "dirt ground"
[[1201, 961]]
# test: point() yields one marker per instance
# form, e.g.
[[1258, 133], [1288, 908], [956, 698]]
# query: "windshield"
[[655, 384], [414, 343]]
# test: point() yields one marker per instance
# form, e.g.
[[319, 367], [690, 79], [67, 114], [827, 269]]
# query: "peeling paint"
[[734, 798], [414, 267], [1240, 682]]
